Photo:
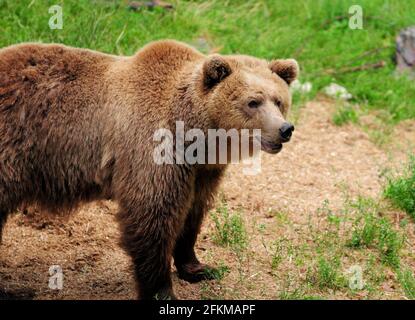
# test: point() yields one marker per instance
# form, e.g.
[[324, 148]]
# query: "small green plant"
[[345, 114], [229, 229], [401, 190], [209, 291], [297, 294], [218, 273], [332, 217], [363, 235], [327, 274], [281, 217], [277, 254], [374, 274], [389, 243], [407, 280]]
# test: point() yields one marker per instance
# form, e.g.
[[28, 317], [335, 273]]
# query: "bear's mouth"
[[270, 147]]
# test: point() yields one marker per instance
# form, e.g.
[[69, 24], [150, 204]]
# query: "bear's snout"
[[286, 131]]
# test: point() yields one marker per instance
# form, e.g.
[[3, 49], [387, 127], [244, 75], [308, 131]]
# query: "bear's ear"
[[215, 69], [287, 69]]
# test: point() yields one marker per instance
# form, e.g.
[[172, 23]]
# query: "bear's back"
[[39, 76], [49, 95], [34, 61]]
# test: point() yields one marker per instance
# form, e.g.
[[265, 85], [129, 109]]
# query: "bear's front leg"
[[188, 265], [151, 216], [149, 239]]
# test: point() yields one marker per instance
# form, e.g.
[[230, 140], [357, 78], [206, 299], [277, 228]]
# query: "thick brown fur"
[[77, 125]]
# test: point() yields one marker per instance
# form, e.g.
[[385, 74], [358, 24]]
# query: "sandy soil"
[[323, 162]]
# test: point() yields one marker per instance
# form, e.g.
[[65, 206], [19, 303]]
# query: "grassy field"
[[297, 259]]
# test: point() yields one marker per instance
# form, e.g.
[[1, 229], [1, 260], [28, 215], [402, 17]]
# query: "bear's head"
[[244, 92]]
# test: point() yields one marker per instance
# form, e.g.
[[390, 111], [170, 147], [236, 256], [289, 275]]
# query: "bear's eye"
[[278, 103], [254, 103]]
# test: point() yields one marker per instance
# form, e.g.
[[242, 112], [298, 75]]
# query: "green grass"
[[364, 235], [297, 295], [365, 230], [352, 251], [328, 273], [407, 280], [370, 230], [389, 243], [362, 232], [345, 114], [229, 230], [219, 272], [278, 253], [401, 190], [316, 33], [282, 249]]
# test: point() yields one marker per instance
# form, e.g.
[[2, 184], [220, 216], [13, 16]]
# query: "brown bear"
[[77, 125]]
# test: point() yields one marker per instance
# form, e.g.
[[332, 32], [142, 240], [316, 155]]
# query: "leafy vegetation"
[[373, 231], [407, 280], [345, 114], [328, 273], [401, 190], [229, 228]]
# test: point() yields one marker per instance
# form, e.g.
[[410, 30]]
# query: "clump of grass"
[[218, 273], [372, 231], [364, 235], [389, 243], [401, 190], [345, 114], [277, 254], [283, 250], [407, 280], [229, 228], [365, 225], [297, 294], [327, 274], [209, 291], [374, 273]]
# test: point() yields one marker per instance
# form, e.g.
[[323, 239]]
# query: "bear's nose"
[[286, 131]]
